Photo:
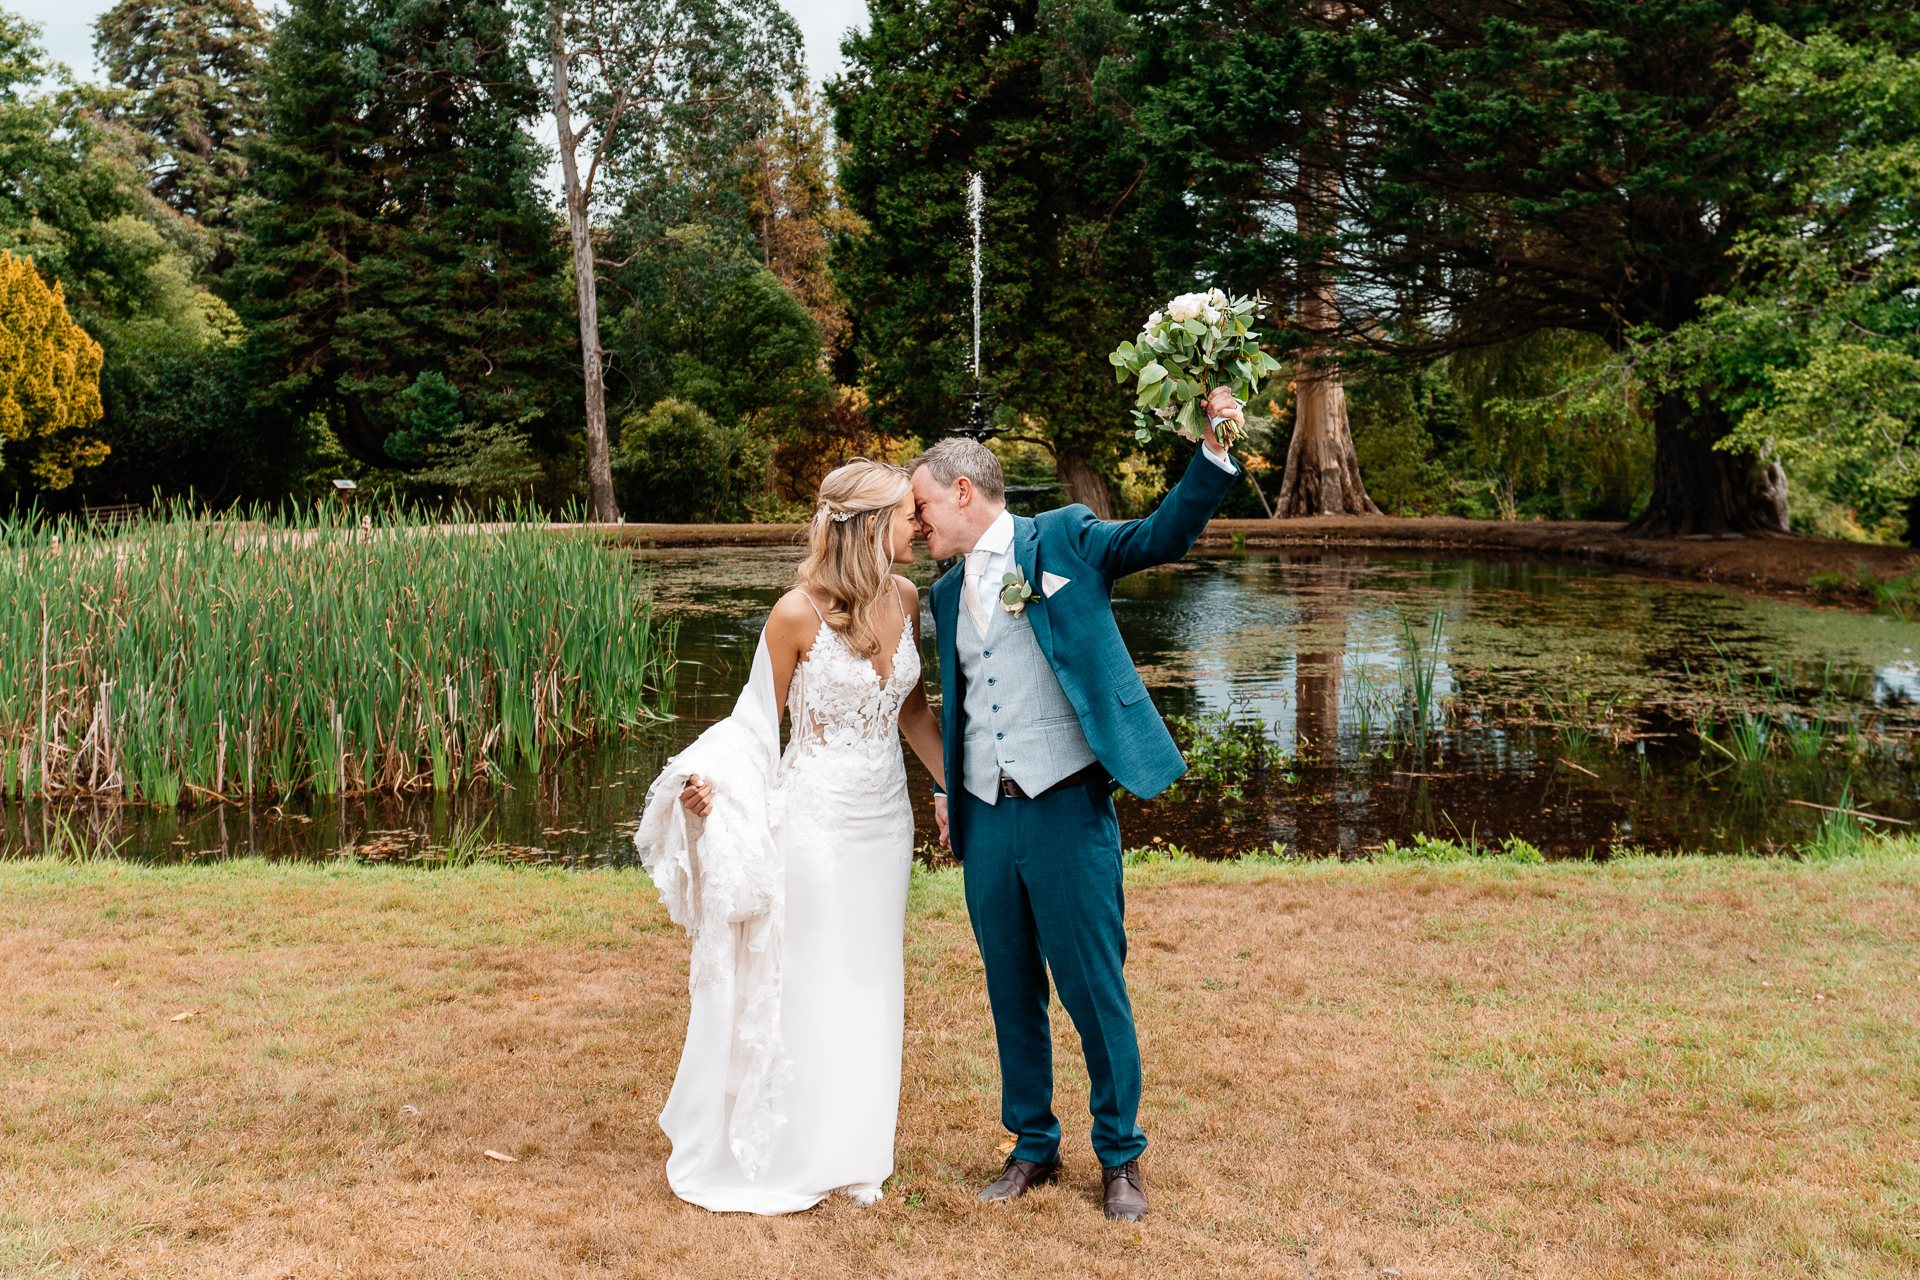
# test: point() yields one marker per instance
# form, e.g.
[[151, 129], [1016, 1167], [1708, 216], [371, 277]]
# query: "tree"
[[796, 210], [765, 375], [182, 418], [49, 381], [70, 190], [1820, 329], [401, 234], [634, 84], [939, 89], [1510, 166], [1245, 132], [190, 76], [676, 464]]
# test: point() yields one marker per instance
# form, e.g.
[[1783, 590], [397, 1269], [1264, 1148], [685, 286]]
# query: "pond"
[[1334, 699]]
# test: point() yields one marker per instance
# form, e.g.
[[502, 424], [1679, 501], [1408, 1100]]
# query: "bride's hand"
[[697, 796]]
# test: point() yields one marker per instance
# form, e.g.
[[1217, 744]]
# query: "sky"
[[69, 30]]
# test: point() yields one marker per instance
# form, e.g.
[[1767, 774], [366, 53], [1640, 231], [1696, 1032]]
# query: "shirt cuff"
[[1222, 460]]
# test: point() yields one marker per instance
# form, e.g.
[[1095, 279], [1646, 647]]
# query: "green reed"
[[195, 657], [1419, 677]]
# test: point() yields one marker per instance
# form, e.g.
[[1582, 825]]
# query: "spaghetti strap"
[[808, 595]]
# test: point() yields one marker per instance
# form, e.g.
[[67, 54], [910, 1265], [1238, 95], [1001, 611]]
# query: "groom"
[[1044, 714]]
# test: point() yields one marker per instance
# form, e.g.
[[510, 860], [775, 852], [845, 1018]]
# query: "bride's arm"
[[918, 725], [791, 628]]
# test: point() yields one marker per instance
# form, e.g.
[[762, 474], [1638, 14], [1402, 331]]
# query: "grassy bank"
[[223, 657], [1652, 1067]]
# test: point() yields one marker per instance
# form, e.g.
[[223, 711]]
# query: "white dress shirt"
[[990, 560], [997, 545]]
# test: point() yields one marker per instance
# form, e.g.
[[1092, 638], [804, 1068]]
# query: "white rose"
[[1216, 298], [1188, 306], [1210, 315], [1153, 319]]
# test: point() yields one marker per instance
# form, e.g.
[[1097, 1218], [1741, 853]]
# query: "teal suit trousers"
[[1044, 894]]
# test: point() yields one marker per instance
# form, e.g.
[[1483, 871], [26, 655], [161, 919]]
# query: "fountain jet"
[[978, 426]]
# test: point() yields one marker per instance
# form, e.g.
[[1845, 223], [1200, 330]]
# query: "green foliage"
[[189, 73], [182, 419], [72, 194], [1425, 848], [1393, 417], [1822, 334], [675, 464], [49, 383], [1500, 169], [484, 465], [427, 413], [1223, 753], [939, 89], [401, 230], [190, 656], [1553, 426], [726, 335]]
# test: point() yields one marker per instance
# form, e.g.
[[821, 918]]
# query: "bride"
[[789, 869]]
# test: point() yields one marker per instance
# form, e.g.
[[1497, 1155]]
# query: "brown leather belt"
[[1092, 773]]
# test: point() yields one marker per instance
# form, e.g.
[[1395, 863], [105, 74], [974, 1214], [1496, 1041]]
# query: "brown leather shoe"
[[1018, 1178], [1125, 1199]]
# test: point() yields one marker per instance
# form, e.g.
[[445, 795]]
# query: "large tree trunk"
[[1083, 484], [1701, 491], [586, 287], [1323, 475]]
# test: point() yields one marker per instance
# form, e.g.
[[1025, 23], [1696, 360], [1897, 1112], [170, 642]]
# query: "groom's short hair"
[[958, 456]]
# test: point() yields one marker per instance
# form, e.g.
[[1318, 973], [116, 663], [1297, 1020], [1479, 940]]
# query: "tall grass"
[[225, 657], [1419, 676]]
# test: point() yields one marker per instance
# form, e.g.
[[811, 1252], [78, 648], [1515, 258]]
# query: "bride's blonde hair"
[[850, 547]]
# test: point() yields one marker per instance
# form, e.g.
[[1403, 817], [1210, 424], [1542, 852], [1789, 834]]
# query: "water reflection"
[[1311, 645]]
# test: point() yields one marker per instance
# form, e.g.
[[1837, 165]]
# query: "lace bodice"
[[838, 700]]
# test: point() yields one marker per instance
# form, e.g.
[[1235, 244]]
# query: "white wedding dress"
[[795, 891]]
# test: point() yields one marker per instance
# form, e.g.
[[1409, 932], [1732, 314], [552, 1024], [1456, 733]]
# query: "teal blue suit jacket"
[[1076, 630]]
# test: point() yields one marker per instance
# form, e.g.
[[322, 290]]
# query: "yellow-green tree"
[[49, 380]]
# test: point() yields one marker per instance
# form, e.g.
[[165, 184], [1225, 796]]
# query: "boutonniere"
[[1015, 591]]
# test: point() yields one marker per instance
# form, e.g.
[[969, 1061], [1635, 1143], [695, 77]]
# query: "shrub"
[[49, 380], [676, 465]]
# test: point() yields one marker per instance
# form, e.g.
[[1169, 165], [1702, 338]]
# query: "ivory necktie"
[[976, 565]]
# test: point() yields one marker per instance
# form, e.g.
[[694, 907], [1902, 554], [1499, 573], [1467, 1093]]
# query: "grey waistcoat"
[[1018, 718]]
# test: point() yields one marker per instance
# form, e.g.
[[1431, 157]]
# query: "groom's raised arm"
[[1120, 547]]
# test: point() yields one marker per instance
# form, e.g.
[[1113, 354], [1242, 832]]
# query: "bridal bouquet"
[[1199, 342]]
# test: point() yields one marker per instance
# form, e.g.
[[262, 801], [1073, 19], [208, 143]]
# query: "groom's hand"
[[1221, 404], [940, 816], [697, 796]]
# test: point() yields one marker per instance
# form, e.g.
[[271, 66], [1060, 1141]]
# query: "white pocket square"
[[1052, 582]]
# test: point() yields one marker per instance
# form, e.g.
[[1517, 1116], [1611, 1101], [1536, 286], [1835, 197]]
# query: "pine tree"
[[49, 381], [190, 73], [401, 233], [941, 88]]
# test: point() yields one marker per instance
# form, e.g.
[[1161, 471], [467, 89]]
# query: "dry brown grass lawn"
[[1351, 1071]]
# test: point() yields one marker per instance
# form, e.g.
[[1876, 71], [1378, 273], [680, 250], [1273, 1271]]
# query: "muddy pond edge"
[[1770, 562]]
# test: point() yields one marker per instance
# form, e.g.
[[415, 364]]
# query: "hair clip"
[[841, 517]]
